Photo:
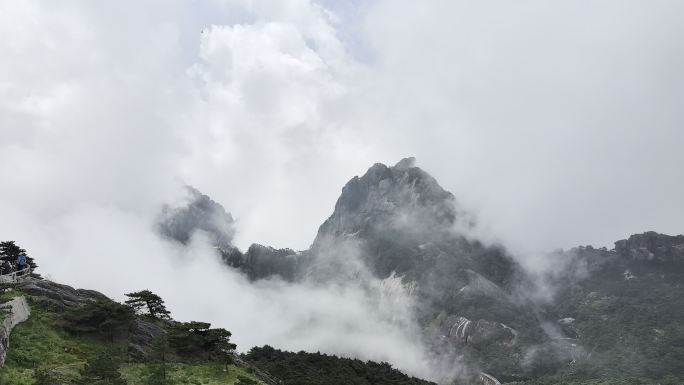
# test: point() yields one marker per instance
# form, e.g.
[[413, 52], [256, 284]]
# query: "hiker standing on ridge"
[[21, 262]]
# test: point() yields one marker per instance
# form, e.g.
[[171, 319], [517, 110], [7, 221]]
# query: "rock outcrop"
[[56, 296], [142, 335], [650, 246]]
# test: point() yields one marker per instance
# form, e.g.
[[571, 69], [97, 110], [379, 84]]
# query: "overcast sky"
[[558, 123]]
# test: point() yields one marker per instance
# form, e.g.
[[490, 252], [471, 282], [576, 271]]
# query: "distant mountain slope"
[[624, 309]]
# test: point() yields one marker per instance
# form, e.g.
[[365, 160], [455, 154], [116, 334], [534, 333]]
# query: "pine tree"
[[218, 346], [197, 338], [187, 338], [146, 302], [103, 317], [10, 251], [102, 370]]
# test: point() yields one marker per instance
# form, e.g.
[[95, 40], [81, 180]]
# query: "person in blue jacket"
[[21, 262]]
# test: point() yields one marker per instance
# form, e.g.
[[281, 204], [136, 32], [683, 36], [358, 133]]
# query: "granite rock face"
[[142, 336], [401, 199], [405, 223], [57, 296]]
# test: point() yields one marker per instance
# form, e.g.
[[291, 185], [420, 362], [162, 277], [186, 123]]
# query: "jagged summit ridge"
[[400, 196]]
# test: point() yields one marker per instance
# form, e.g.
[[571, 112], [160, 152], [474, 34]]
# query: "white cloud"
[[561, 124]]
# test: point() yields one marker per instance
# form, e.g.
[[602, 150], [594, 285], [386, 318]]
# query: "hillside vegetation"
[[304, 368], [47, 350], [44, 351]]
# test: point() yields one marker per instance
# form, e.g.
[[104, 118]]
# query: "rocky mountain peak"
[[394, 197], [197, 212]]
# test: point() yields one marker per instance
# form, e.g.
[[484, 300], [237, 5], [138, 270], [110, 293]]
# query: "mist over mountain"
[[473, 306], [242, 159]]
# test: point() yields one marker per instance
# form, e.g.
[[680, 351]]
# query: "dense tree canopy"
[[193, 339], [321, 369]]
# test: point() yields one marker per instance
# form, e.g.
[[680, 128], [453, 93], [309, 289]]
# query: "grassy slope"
[[190, 374], [41, 343], [36, 343]]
